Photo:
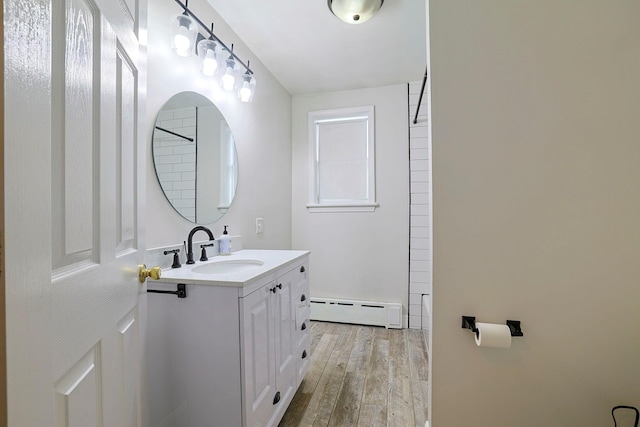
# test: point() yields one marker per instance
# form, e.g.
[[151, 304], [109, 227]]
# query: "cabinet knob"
[[304, 326], [273, 289], [276, 398], [303, 297], [304, 354], [279, 286], [302, 269]]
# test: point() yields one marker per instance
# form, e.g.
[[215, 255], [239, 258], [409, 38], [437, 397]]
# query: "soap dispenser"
[[225, 242]]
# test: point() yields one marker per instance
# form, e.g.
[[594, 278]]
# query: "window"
[[342, 160]]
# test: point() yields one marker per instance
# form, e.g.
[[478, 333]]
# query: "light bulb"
[[184, 32], [182, 42], [245, 92], [247, 88], [209, 63], [228, 81]]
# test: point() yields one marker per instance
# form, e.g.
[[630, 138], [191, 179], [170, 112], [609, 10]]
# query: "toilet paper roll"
[[493, 335]]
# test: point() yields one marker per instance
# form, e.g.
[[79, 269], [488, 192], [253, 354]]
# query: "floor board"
[[362, 376]]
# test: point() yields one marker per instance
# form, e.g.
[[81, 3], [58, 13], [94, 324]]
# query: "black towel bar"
[[181, 291]]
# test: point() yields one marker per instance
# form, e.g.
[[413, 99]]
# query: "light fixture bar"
[[210, 32]]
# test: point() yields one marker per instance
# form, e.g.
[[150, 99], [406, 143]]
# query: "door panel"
[[126, 87], [120, 354], [76, 314], [77, 394], [73, 133], [128, 342], [127, 9]]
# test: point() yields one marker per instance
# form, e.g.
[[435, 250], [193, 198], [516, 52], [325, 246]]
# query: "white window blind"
[[342, 160]]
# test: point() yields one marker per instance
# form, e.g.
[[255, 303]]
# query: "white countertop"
[[273, 259]]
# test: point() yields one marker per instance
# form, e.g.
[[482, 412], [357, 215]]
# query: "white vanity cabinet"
[[269, 368], [276, 345], [229, 356]]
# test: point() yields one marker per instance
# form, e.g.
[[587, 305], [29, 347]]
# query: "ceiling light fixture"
[[212, 53], [354, 11]]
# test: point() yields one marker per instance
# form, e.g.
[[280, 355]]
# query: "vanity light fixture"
[[354, 11], [228, 79], [211, 52], [183, 34], [247, 87]]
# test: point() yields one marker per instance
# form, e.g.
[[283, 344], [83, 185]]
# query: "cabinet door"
[[284, 323], [259, 362]]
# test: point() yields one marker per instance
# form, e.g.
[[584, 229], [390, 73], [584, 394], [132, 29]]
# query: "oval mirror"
[[195, 157]]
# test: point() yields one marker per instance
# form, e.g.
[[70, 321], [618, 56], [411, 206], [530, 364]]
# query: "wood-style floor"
[[362, 376]]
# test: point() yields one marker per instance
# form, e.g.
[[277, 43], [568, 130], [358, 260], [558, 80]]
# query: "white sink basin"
[[227, 266]]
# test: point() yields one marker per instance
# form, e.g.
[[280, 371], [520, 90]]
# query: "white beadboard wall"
[[420, 216], [175, 159]]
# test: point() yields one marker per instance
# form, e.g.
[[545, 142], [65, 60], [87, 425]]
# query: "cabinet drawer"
[[303, 358], [303, 313], [303, 326], [302, 280]]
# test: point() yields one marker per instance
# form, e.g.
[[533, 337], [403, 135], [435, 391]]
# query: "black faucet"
[[190, 241]]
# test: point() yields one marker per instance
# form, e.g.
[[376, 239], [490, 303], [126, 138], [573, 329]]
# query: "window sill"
[[342, 207]]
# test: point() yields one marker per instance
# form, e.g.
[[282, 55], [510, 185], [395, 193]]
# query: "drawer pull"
[[302, 270], [303, 297], [304, 354], [304, 326], [276, 398]]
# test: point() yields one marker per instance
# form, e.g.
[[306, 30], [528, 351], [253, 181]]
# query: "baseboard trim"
[[387, 314]]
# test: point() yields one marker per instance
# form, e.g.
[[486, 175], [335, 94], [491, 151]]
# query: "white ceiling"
[[310, 51]]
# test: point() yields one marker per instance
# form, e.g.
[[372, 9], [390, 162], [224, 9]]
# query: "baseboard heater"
[[387, 314]]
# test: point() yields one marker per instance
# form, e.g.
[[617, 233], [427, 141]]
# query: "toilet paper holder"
[[469, 322]]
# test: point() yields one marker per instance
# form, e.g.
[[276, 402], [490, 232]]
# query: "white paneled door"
[[75, 141]]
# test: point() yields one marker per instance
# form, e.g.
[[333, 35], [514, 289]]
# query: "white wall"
[[262, 131], [358, 255], [536, 143]]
